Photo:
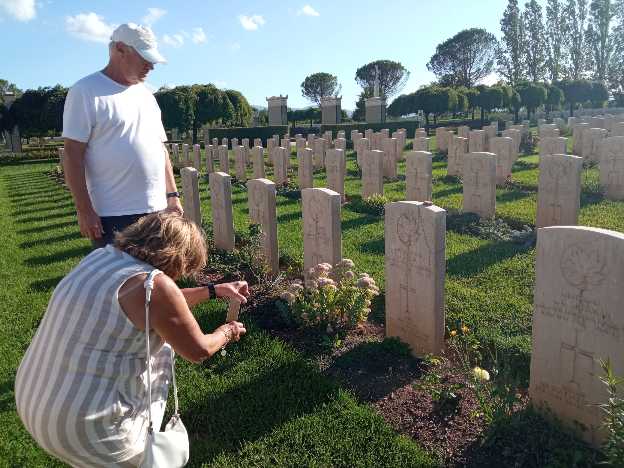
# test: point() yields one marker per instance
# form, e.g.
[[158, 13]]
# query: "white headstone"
[[415, 271], [322, 242], [305, 168], [418, 177], [190, 190], [262, 211], [372, 173], [221, 204], [578, 320], [559, 190], [612, 168], [336, 166], [257, 162], [480, 184]]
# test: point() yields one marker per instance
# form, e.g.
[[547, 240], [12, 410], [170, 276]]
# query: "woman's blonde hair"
[[166, 241]]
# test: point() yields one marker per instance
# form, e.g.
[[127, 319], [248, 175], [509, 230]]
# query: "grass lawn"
[[266, 404], [263, 404]]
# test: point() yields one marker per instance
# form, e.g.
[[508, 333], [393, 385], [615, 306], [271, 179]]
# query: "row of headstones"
[[559, 186], [578, 292], [578, 317]]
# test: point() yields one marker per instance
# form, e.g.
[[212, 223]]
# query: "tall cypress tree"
[[576, 18], [509, 56], [535, 50], [599, 38], [555, 37]]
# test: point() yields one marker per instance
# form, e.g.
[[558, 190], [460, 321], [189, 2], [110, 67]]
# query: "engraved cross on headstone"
[[581, 364], [319, 236]]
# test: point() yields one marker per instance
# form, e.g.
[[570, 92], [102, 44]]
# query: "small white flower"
[[480, 374], [325, 282], [329, 329], [365, 282], [347, 263]]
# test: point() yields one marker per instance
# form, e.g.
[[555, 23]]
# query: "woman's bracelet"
[[228, 336]]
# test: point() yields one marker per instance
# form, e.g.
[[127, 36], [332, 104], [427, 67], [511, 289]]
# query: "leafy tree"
[[516, 104], [320, 85], [489, 98], [462, 100], [38, 112], [576, 17], [575, 91], [187, 108], [402, 105], [472, 94], [510, 53], [555, 38], [177, 107], [554, 98], [466, 58], [533, 96], [6, 119], [616, 68], [242, 111], [214, 105], [598, 94], [535, 50], [599, 37], [435, 100], [52, 116], [359, 114], [392, 77], [8, 87]]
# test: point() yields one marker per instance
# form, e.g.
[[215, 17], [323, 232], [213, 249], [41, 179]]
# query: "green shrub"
[[373, 205], [331, 299], [409, 125], [614, 417], [247, 132]]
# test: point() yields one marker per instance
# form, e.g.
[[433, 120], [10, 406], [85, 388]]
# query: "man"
[[116, 164]]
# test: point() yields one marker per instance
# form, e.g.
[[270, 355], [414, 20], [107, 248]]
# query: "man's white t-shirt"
[[125, 157]]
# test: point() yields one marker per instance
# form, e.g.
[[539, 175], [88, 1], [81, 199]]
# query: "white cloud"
[[251, 23], [235, 46], [307, 10], [89, 27], [21, 10], [173, 40], [220, 84], [199, 36], [153, 15]]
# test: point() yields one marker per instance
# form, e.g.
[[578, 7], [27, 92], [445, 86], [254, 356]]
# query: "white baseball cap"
[[141, 38]]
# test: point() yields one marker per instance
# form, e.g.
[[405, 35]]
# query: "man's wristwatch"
[[173, 194]]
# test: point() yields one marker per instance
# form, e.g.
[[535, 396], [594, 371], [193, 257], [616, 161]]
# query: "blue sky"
[[261, 48]]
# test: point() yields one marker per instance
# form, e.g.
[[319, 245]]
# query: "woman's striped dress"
[[81, 387]]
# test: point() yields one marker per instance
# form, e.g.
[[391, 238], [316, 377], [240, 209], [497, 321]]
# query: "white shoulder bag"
[[168, 449]]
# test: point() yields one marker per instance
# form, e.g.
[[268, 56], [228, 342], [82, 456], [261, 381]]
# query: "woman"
[[81, 386]]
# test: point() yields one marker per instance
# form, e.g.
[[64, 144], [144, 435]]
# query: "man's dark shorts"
[[113, 224]]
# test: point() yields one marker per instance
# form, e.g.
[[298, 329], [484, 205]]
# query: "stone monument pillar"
[[277, 110], [330, 110], [375, 110]]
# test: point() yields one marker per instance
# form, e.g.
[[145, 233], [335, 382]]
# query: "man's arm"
[[173, 203], [88, 220]]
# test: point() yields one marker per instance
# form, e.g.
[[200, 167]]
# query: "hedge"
[[409, 125], [247, 132]]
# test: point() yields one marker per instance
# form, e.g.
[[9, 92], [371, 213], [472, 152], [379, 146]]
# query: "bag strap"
[[149, 286]]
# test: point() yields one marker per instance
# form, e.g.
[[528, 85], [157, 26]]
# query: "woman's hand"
[[238, 290], [233, 330]]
